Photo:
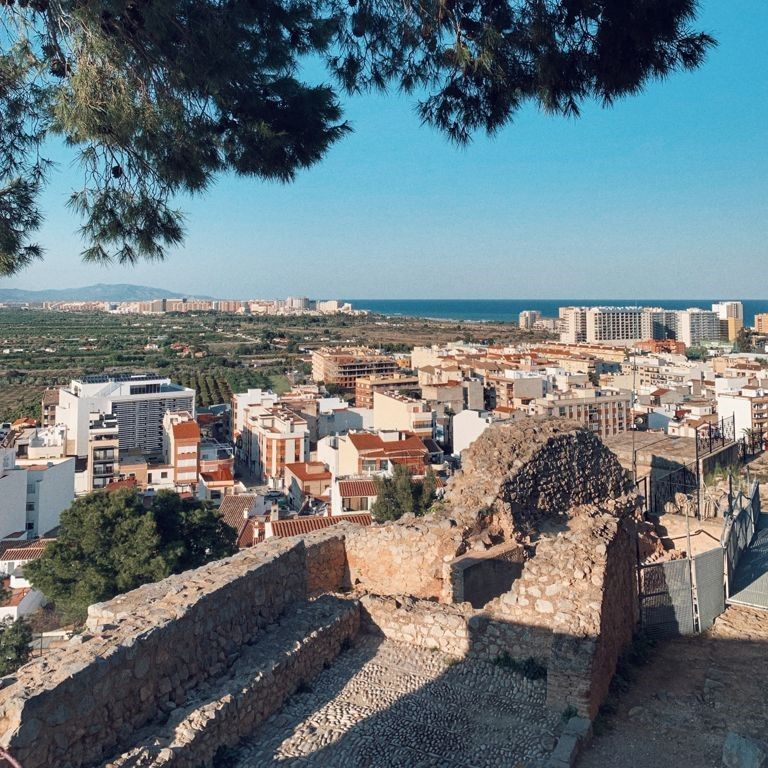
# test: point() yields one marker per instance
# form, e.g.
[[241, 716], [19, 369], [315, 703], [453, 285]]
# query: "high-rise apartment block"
[[138, 402], [695, 326], [614, 324], [628, 324], [731, 315], [573, 323], [528, 318]]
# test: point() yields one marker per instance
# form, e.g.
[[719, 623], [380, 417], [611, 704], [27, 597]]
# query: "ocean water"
[[508, 310]]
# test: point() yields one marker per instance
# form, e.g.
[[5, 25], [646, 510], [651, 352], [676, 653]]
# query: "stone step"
[[285, 657]]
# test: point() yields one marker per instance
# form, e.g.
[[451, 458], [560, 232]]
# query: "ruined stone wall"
[[143, 651], [517, 475], [598, 614], [326, 559], [263, 678], [618, 616], [407, 557], [457, 630]]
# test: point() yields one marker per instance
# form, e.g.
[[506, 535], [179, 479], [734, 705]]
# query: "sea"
[[508, 310]]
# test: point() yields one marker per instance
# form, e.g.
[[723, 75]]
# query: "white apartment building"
[[614, 324], [726, 309], [393, 411], [33, 494], [528, 318], [573, 323], [138, 401], [658, 323], [242, 401], [695, 326], [469, 425], [748, 406]]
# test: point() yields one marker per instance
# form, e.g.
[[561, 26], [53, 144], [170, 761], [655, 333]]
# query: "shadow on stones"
[[384, 704]]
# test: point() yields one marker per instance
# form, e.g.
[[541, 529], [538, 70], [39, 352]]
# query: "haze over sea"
[[506, 310]]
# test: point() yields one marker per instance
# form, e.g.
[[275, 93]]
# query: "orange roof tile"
[[223, 475], [357, 488], [301, 525], [29, 551], [309, 470], [186, 430], [235, 507]]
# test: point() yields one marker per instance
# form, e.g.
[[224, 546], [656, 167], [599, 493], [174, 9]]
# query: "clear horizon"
[[664, 192]]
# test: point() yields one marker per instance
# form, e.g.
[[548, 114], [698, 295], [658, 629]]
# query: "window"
[[163, 475]]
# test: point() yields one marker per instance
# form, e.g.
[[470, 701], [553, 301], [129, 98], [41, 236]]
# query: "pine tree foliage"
[[110, 543], [15, 639], [158, 97], [400, 494]]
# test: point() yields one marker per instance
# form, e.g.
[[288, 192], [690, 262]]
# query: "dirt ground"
[[678, 707]]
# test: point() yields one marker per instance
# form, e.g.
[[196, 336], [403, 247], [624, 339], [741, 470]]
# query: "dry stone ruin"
[[529, 560]]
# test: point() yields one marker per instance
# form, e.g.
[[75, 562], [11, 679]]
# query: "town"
[[315, 453]]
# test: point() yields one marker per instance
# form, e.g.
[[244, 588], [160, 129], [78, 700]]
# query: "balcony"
[[103, 470]]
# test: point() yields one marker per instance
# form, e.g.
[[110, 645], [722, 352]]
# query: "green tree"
[[400, 494], [744, 340], [15, 638], [158, 98], [428, 491], [110, 543]]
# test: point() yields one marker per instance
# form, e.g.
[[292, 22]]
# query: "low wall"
[[143, 651], [453, 629], [403, 558], [326, 559], [265, 676]]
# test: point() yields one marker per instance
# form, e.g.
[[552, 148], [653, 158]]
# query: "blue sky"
[[665, 195]]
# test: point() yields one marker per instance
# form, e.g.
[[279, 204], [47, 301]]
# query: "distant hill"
[[98, 292]]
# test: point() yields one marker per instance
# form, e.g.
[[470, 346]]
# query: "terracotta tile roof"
[[116, 485], [51, 397], [218, 476], [364, 440], [15, 596], [233, 508], [186, 430], [246, 537], [301, 525], [29, 551], [372, 445], [357, 488], [309, 470]]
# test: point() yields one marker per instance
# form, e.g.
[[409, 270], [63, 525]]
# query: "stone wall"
[[326, 559], [143, 651], [480, 576], [288, 656], [406, 557], [457, 630], [516, 476], [546, 490]]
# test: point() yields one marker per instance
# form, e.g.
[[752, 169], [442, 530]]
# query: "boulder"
[[744, 752]]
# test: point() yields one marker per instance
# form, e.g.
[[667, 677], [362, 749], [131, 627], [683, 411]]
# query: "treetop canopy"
[[157, 97]]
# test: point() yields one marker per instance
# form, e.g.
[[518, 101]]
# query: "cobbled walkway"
[[385, 704]]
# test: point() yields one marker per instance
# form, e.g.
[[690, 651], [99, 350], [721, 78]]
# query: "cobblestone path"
[[385, 704]]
